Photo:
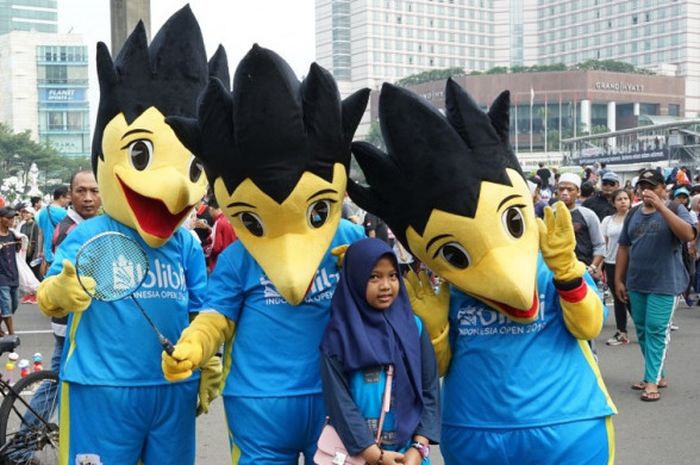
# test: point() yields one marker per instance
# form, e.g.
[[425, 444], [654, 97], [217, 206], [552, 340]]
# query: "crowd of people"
[[639, 240], [314, 315]]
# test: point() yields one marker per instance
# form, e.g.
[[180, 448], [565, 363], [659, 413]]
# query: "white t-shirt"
[[611, 230]]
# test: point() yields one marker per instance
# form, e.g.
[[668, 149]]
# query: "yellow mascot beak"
[[287, 240], [148, 179], [492, 256]]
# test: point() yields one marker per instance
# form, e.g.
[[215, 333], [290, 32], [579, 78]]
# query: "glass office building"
[[63, 107], [44, 80], [28, 15], [392, 39]]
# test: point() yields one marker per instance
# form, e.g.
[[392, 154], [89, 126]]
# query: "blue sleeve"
[[429, 424], [685, 215], [195, 273], [344, 414], [225, 291]]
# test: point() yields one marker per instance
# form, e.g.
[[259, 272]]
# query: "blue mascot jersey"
[[507, 375], [111, 343], [275, 351]]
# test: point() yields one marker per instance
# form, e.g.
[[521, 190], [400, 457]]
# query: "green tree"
[[497, 70], [611, 65], [18, 151], [432, 75]]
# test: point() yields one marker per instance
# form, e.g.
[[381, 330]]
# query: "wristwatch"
[[423, 449]]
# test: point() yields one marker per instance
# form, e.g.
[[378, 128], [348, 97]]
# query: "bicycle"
[[26, 437]]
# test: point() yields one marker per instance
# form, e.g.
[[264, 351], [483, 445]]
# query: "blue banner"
[[625, 157], [62, 95]]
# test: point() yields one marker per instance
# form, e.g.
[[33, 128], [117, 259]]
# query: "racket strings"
[[116, 263]]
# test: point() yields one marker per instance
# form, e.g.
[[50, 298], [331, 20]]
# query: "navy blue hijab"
[[362, 337]]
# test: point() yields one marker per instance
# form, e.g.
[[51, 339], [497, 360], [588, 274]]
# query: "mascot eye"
[[252, 223], [513, 221], [140, 153], [318, 212], [455, 255], [195, 170]]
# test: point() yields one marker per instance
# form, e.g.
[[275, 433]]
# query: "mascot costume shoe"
[[116, 406], [276, 152], [521, 384]]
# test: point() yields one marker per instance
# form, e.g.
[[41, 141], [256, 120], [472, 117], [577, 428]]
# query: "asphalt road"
[[660, 433]]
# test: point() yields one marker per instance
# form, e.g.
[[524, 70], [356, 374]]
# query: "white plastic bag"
[[28, 283]]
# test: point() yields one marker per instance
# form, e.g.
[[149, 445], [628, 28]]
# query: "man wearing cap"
[[590, 244], [601, 201], [650, 273], [9, 276]]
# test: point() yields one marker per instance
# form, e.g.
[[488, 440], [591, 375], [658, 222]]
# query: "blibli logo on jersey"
[[321, 289], [163, 281], [476, 319], [124, 276]]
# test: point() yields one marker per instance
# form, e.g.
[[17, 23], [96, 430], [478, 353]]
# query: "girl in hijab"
[[372, 327]]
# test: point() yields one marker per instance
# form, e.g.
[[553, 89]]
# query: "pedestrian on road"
[[612, 227], [650, 273], [9, 275]]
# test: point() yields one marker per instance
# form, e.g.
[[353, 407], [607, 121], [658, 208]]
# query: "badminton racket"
[[119, 266]]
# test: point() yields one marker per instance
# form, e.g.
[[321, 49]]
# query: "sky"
[[285, 26]]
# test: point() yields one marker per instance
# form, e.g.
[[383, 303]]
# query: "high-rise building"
[[44, 89], [366, 42], [28, 15], [124, 16]]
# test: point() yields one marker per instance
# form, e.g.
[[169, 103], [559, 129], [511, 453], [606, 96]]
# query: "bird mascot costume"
[[510, 330], [116, 407], [276, 152]]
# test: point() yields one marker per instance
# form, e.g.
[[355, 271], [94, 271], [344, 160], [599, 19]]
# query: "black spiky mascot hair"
[[272, 128], [168, 75], [433, 161]]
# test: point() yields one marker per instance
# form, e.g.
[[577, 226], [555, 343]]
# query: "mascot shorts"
[[589, 442], [274, 430], [106, 425]]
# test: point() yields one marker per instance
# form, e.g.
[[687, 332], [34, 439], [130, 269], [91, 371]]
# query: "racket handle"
[[168, 346]]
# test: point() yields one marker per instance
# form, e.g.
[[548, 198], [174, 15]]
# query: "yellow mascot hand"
[[339, 253], [58, 295], [186, 357], [212, 377], [433, 309], [198, 343], [557, 243], [430, 307]]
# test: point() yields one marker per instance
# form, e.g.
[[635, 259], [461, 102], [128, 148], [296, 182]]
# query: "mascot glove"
[[61, 294], [430, 307], [557, 242], [198, 342], [210, 382], [339, 253]]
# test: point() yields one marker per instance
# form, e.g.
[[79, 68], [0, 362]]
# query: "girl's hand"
[[393, 458], [412, 457]]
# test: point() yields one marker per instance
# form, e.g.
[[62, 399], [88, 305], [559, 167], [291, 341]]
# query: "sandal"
[[650, 396], [640, 386]]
